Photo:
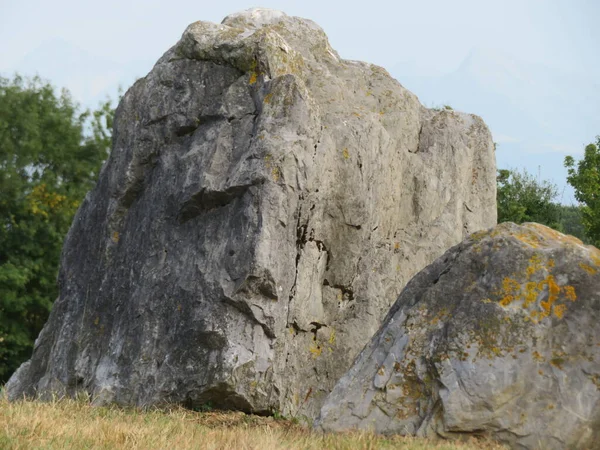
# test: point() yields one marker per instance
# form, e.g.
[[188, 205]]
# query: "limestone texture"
[[264, 203], [500, 336]]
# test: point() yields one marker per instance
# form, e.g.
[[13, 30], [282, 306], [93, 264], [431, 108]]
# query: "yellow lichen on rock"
[[570, 293], [528, 238], [588, 269], [253, 78], [530, 291], [315, 349], [332, 337], [511, 289], [535, 264], [275, 174]]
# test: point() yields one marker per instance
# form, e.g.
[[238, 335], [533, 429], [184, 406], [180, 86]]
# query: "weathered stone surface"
[[499, 336], [264, 203]]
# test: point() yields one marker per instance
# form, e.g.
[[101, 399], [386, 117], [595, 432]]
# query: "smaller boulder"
[[500, 336]]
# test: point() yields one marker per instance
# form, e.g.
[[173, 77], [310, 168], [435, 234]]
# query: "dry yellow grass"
[[70, 424]]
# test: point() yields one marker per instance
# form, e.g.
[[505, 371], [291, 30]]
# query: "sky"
[[92, 47], [435, 35]]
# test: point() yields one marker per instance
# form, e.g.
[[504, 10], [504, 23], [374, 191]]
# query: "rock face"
[[500, 336], [264, 203]]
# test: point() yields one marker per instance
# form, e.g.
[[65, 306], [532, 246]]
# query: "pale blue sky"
[[530, 68], [434, 35]]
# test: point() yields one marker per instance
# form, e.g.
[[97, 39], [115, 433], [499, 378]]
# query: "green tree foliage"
[[523, 198], [50, 156], [571, 222], [584, 176]]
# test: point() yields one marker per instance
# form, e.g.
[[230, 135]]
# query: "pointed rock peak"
[[254, 18]]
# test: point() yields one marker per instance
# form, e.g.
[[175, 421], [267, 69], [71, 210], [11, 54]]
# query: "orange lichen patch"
[[554, 235], [267, 98], [345, 153], [530, 291], [570, 293], [553, 292], [535, 264], [589, 269], [596, 258], [536, 355], [544, 230], [396, 245], [559, 310], [536, 316], [531, 294], [253, 78], [529, 238], [510, 288], [115, 237]]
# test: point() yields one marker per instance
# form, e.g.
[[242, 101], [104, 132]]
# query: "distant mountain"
[[89, 78], [537, 114]]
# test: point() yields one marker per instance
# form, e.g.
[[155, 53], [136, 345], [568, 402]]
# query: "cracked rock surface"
[[264, 203], [500, 336]]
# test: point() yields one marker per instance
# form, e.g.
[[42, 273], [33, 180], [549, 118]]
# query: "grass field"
[[71, 424]]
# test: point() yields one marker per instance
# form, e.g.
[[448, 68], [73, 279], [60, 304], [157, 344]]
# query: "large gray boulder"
[[264, 203], [499, 336]]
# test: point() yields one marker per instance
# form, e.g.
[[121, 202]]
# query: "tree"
[[571, 222], [523, 198], [584, 176], [50, 156]]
